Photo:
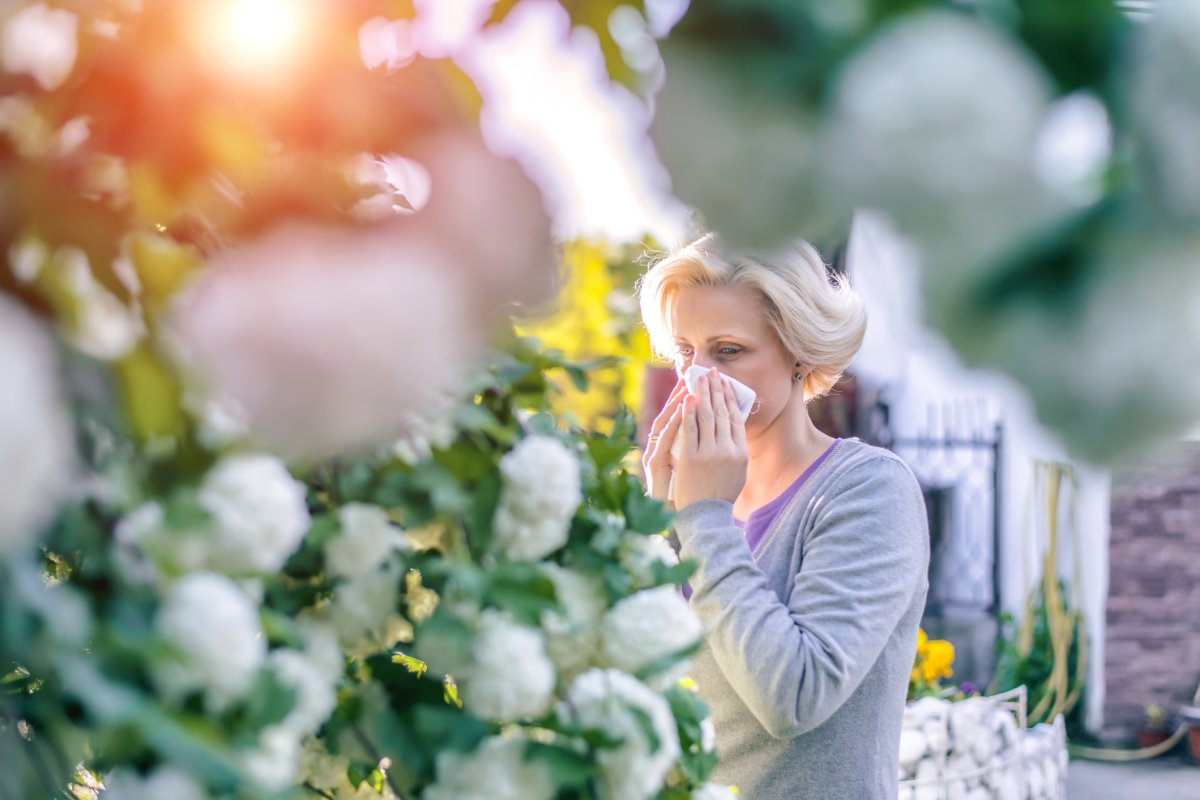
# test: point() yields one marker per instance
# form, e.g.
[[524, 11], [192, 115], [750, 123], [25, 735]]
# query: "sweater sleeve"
[[794, 664]]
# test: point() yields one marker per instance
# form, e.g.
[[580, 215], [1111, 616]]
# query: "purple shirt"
[[761, 519]]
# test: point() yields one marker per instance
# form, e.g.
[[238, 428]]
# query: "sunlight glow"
[[255, 38]]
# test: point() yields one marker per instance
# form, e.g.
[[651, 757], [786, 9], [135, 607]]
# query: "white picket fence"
[[980, 749]]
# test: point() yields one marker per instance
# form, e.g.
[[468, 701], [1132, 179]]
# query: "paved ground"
[[1163, 778]]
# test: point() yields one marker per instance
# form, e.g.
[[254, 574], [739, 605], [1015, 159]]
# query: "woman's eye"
[[729, 351]]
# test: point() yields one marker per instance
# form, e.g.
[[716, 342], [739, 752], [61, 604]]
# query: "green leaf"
[[643, 514], [647, 725], [414, 665], [523, 590], [667, 661], [267, 702], [483, 510], [607, 452], [568, 769]]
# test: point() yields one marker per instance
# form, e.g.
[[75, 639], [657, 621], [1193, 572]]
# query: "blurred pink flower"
[[487, 213], [327, 339]]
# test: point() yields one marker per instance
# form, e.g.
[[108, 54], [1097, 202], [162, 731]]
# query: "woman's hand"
[[656, 459], [712, 465]]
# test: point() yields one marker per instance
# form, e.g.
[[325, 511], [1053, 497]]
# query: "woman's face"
[[726, 327]]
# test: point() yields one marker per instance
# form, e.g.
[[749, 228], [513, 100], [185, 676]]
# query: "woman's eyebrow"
[[718, 337]]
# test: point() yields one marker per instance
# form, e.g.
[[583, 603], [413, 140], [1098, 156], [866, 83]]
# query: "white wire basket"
[[980, 749]]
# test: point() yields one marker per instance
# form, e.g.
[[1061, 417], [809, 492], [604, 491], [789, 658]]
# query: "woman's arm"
[[865, 559]]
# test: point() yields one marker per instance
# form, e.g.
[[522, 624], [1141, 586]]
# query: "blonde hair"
[[818, 318]]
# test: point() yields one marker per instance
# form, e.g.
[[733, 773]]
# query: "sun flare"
[[255, 37]]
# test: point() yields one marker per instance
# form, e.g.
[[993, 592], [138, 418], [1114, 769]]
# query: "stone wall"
[[1153, 614]]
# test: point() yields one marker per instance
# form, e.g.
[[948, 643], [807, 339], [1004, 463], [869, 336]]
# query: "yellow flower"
[[938, 661]]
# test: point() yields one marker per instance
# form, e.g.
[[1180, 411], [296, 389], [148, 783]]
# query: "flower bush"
[[291, 513]]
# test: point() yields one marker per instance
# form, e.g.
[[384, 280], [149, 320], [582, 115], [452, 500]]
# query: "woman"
[[811, 552]]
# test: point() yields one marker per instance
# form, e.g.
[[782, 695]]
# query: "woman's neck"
[[779, 454]]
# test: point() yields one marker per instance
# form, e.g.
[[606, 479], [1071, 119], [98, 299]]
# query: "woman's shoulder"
[[853, 458]]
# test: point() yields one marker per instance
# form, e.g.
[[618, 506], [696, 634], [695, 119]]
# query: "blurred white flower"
[[215, 629], [715, 791], [315, 696], [272, 764], [42, 42], [496, 770], [363, 610], [640, 554], [708, 735], [125, 784], [648, 626], [1073, 147], [101, 325], [911, 132], [432, 428], [572, 633], [258, 513], [363, 328], [219, 420], [541, 492], [509, 677], [606, 700], [35, 434], [366, 540], [321, 648], [1164, 101]]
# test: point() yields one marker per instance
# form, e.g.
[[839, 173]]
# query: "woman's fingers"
[[705, 420], [669, 408], [737, 426]]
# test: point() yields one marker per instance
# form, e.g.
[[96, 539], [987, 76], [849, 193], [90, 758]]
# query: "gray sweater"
[[810, 640]]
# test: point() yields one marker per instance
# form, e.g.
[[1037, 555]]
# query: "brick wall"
[[1152, 650]]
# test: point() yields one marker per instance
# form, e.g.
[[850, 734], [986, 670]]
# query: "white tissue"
[[742, 393]]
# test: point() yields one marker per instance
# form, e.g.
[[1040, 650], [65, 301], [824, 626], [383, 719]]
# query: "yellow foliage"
[[597, 317]]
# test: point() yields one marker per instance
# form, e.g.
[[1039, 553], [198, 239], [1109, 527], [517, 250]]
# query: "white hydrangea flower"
[[1165, 104], [572, 634], [367, 539], [35, 438], [125, 784], [496, 770], [541, 492], [648, 626], [432, 427], [42, 42], [639, 554], [258, 510], [272, 764], [605, 699], [910, 132], [708, 735], [103, 327], [216, 630], [315, 696], [363, 610], [509, 676], [321, 648], [715, 791]]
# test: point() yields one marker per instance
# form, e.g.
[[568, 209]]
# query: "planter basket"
[[979, 749]]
